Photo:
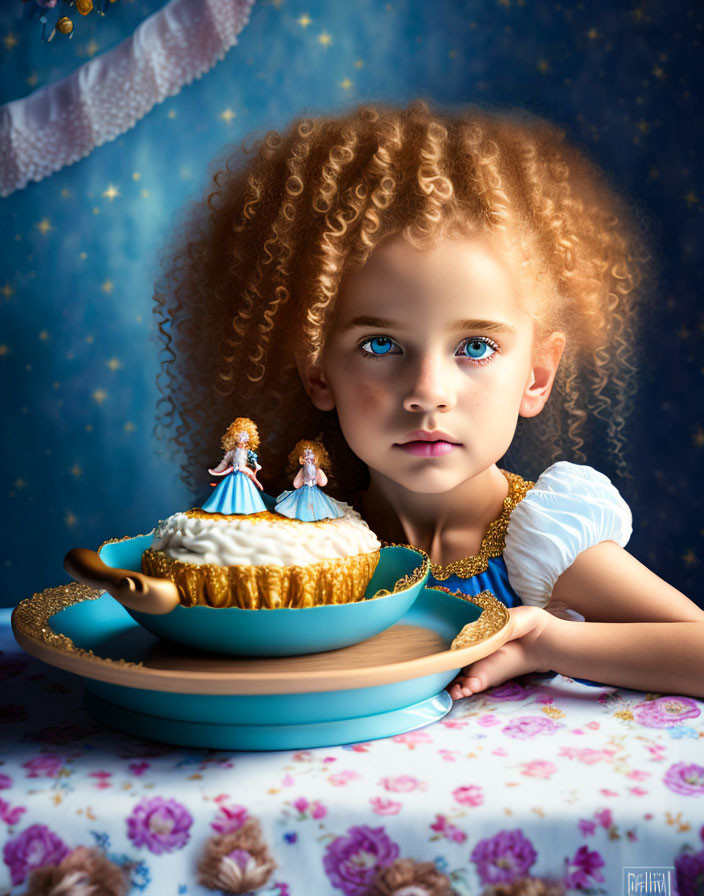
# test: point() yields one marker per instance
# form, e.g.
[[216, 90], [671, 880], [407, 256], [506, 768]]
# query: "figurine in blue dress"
[[306, 501], [239, 491]]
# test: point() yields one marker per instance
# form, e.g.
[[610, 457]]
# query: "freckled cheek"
[[370, 397]]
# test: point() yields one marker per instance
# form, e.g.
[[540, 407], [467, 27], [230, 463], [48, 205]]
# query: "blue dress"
[[307, 503], [236, 493], [570, 508]]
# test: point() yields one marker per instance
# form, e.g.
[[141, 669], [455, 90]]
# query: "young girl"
[[237, 493], [411, 282]]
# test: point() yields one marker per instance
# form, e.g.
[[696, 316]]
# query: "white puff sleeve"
[[570, 508]]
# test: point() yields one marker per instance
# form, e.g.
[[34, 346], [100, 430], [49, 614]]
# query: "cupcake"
[[263, 559]]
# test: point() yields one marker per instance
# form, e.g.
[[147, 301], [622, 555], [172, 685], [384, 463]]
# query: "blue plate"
[[280, 632], [140, 699]]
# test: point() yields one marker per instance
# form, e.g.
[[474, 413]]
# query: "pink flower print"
[[400, 784], [489, 719], [230, 819], [508, 691], [46, 765], [412, 738], [301, 804], [5, 782], [583, 870], [544, 698], [449, 755], [339, 779], [353, 861], [539, 768], [385, 806], [665, 712], [469, 796], [449, 831], [318, 810], [593, 725], [685, 778], [11, 712], [638, 791], [657, 751], [35, 847], [330, 759], [503, 858], [9, 814], [160, 825], [526, 727], [453, 723], [102, 781], [586, 755], [638, 775], [609, 793], [586, 827], [604, 818], [500, 751], [138, 768], [288, 781]]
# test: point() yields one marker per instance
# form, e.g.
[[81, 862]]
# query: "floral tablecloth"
[[540, 786]]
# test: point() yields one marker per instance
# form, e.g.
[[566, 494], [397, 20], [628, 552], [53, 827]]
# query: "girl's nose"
[[431, 388]]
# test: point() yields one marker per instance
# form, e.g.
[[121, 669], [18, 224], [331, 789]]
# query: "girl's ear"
[[315, 383], [546, 360]]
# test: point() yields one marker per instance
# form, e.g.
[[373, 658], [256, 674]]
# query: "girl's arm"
[[223, 467], [640, 632], [320, 478], [298, 481]]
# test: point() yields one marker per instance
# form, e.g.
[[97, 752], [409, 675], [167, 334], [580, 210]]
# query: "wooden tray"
[[138, 683]]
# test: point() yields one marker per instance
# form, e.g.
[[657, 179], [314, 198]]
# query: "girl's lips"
[[427, 449]]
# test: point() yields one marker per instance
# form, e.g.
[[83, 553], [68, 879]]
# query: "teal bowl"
[[286, 631]]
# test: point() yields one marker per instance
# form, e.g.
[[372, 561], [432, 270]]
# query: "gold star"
[[325, 39], [65, 193], [111, 193], [92, 48], [56, 385], [33, 79], [83, 256], [113, 364], [76, 471], [136, 175], [658, 71], [346, 84], [19, 484], [96, 210], [543, 66], [43, 335], [89, 340], [592, 34], [643, 126], [227, 115], [653, 174], [683, 332], [4, 350], [99, 395], [7, 291], [698, 437], [44, 226], [638, 13], [129, 427], [691, 198], [172, 113], [144, 194], [107, 286], [10, 40], [690, 558], [304, 20], [70, 520], [359, 63]]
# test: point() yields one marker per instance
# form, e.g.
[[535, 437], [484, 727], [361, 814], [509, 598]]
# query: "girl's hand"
[[524, 652]]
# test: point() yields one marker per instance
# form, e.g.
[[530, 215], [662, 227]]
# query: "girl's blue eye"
[[378, 345], [476, 349]]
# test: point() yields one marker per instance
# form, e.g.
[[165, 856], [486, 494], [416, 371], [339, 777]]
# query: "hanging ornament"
[[64, 25], [84, 6]]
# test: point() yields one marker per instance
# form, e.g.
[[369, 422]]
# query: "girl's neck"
[[443, 525]]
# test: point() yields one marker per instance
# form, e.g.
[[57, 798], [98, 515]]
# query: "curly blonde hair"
[[241, 424], [322, 458], [261, 260]]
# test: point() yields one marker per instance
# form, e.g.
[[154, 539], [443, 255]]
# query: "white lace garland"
[[64, 121]]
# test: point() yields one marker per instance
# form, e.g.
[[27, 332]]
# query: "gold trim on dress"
[[494, 540]]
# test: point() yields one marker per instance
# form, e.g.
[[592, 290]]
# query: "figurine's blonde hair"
[[263, 258], [241, 424], [322, 458]]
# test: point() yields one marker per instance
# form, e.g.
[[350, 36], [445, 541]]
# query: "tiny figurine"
[[238, 492], [306, 501]]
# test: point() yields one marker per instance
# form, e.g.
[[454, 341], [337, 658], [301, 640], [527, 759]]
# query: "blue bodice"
[[494, 579]]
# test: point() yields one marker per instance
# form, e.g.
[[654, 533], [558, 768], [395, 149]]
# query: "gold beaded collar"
[[494, 540]]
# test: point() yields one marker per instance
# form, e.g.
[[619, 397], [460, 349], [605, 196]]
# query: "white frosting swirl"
[[247, 541]]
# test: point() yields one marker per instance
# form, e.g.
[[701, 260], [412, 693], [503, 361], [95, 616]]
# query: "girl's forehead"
[[453, 280]]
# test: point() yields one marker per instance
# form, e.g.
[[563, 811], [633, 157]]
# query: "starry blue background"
[[80, 250]]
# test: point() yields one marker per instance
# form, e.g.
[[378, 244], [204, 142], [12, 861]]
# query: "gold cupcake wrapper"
[[338, 581]]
